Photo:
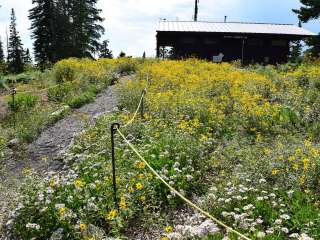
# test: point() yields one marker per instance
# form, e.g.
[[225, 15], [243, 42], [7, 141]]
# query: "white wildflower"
[[261, 235], [278, 221], [262, 180], [189, 178], [290, 193], [270, 231], [294, 235], [248, 207], [305, 237], [33, 226], [285, 216]]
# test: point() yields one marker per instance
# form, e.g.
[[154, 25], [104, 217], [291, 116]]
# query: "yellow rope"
[[136, 112], [139, 105], [42, 90], [178, 193]]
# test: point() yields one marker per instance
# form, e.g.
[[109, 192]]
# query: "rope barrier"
[[217, 221], [139, 105], [42, 90], [136, 112]]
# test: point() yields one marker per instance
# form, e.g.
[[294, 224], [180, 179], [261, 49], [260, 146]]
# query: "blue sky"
[[130, 24]]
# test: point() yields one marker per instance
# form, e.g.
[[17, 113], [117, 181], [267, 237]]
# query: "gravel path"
[[57, 138]]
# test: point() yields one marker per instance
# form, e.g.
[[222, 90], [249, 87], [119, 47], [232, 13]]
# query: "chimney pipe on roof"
[[196, 9], [225, 18], [300, 24]]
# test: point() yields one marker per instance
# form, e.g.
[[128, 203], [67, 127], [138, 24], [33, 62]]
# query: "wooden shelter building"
[[248, 42]]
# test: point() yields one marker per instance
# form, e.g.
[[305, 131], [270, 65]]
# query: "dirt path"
[[57, 138]]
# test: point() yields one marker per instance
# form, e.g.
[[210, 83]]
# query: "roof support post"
[[242, 50]]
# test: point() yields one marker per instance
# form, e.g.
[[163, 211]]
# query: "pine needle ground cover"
[[242, 143]]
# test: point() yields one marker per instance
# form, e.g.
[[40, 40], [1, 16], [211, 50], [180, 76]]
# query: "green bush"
[[22, 101], [80, 100], [126, 68], [64, 73], [58, 93]]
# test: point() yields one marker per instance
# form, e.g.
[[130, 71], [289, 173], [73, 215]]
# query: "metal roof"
[[233, 27]]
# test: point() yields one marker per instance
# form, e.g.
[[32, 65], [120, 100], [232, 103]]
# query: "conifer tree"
[[1, 51], [295, 51], [310, 10], [42, 25], [3, 65], [15, 49], [105, 52], [27, 57], [86, 27], [65, 28]]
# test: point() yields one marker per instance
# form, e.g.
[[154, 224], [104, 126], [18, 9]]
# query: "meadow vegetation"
[[242, 143], [40, 96]]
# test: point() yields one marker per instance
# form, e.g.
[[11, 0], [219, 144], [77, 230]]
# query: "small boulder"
[[14, 143]]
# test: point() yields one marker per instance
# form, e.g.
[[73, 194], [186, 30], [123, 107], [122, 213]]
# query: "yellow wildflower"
[[292, 158], [26, 171], [302, 180], [165, 238], [275, 171], [295, 167], [78, 183], [306, 163], [168, 229], [307, 143], [82, 227], [298, 151], [141, 176], [112, 215], [139, 186], [52, 183], [130, 190], [267, 151], [122, 204], [62, 211], [143, 198], [141, 165]]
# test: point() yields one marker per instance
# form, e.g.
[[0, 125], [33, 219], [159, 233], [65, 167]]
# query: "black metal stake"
[[142, 104], [114, 128], [13, 93]]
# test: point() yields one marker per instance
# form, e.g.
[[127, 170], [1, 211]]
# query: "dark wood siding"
[[256, 48]]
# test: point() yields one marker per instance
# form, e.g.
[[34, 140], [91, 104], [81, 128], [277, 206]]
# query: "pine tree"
[[309, 11], [314, 44], [27, 57], [86, 27], [65, 28], [3, 65], [42, 26], [295, 51], [1, 52], [105, 52], [15, 49], [122, 54]]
